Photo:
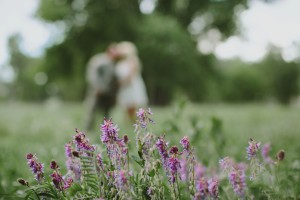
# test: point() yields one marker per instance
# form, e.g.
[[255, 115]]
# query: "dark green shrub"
[[244, 84]]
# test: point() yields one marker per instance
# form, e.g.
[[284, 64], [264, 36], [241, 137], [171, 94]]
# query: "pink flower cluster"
[[237, 178], [109, 132], [143, 118], [236, 175], [162, 148], [112, 170], [59, 182], [252, 149], [73, 163], [36, 167], [207, 188], [116, 148], [81, 142]]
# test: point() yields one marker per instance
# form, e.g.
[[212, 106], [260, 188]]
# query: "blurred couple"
[[115, 77]]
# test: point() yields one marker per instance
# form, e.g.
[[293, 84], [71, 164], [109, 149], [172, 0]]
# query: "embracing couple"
[[115, 77]]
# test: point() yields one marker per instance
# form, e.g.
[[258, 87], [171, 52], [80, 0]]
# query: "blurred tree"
[[168, 50], [283, 78], [90, 26], [19, 63], [217, 14], [25, 68], [244, 84], [174, 67], [270, 79]]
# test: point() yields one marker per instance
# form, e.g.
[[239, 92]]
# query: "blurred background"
[[209, 51], [219, 71]]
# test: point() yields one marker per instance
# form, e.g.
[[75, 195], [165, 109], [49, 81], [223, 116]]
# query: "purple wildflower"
[[69, 163], [174, 165], [116, 148], [265, 153], [36, 167], [121, 179], [73, 165], [81, 142], [143, 118], [53, 165], [76, 169], [29, 156], [109, 132], [226, 163], [237, 178], [147, 142], [252, 148], [185, 142], [201, 189], [68, 150], [199, 170], [183, 169], [163, 152], [67, 183], [173, 150], [111, 175], [57, 180], [213, 188]]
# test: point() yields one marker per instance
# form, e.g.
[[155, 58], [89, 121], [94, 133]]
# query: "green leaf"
[[74, 189], [139, 161], [151, 173], [45, 194], [28, 196]]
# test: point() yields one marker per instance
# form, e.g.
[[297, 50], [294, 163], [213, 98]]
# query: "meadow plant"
[[155, 170]]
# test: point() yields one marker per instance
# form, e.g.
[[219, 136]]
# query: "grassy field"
[[45, 128]]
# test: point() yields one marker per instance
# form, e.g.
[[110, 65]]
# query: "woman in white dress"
[[132, 91]]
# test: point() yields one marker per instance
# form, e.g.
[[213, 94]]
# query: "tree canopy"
[[166, 47]]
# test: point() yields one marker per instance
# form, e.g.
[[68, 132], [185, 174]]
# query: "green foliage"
[[87, 32], [283, 78], [272, 78], [212, 132], [168, 51], [90, 179], [244, 84], [172, 67], [167, 46], [266, 177], [286, 81], [221, 12], [45, 129], [52, 15], [25, 68]]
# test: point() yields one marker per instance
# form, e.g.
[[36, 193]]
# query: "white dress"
[[133, 93]]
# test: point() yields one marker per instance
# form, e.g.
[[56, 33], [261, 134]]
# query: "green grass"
[[45, 128]]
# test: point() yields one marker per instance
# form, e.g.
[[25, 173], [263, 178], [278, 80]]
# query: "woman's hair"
[[126, 49]]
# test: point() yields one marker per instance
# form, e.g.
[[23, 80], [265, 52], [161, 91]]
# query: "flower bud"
[[280, 155], [29, 156], [23, 182], [75, 153], [53, 165], [173, 150], [125, 139]]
